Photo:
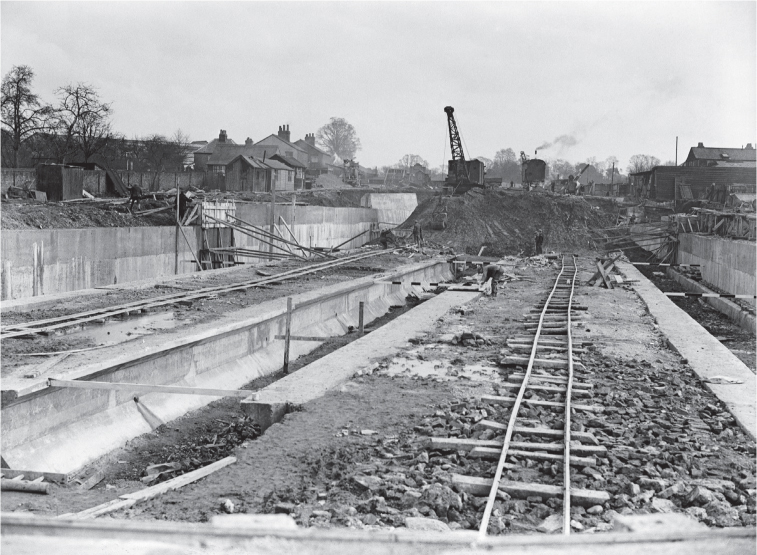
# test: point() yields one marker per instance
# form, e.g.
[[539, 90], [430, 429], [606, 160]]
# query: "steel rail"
[[50, 324], [568, 396], [514, 415]]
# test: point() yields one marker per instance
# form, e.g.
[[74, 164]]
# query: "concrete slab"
[[270, 404], [706, 355]]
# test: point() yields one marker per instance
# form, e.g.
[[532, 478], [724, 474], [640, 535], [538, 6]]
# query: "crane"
[[456, 147]]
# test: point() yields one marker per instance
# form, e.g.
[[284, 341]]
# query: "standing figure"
[[418, 234], [135, 195], [385, 237], [539, 240]]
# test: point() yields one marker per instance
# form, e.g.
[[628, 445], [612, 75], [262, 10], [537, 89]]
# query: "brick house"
[[284, 145], [705, 156], [202, 155], [247, 173]]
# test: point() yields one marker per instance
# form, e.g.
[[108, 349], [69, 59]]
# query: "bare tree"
[[159, 154], [82, 122], [669, 163], [338, 137], [642, 163], [22, 113], [409, 160]]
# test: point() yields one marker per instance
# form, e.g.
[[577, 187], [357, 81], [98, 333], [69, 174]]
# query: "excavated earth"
[[360, 457], [505, 221]]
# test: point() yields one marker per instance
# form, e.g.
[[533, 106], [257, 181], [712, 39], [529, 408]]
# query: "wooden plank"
[[179, 481], [303, 337], [490, 453], [32, 474], [494, 399], [551, 379], [538, 362], [465, 444], [537, 431], [606, 280], [547, 388], [148, 388], [25, 486], [522, 490]]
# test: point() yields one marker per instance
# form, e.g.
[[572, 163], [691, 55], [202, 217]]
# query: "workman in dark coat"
[[539, 240], [135, 195], [386, 237], [183, 201], [495, 273], [417, 234]]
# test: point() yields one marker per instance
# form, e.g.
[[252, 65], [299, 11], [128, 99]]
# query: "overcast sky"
[[621, 78]]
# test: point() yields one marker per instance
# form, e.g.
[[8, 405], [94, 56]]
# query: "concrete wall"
[[393, 208], [49, 261], [63, 429], [319, 226], [727, 264], [23, 178]]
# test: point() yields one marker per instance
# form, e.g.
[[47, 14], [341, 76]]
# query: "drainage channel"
[[59, 430]]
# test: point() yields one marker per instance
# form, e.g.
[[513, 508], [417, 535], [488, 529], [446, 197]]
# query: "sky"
[[609, 78]]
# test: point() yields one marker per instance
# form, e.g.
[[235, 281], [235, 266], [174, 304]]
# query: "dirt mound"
[[506, 221], [21, 214]]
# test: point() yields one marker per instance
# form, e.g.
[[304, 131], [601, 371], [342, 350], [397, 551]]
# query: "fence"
[[95, 181]]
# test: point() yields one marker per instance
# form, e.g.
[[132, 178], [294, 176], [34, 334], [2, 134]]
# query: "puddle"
[[113, 332]]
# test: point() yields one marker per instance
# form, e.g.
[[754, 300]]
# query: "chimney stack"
[[248, 142], [749, 146], [284, 132], [310, 139], [222, 136], [700, 145]]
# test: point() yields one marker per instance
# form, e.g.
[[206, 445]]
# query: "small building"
[[298, 167], [666, 183], [227, 152], [247, 173], [418, 175], [705, 156], [317, 158]]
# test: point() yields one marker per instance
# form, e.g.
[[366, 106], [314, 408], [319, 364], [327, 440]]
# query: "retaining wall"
[[63, 429], [393, 208], [727, 264], [48, 261]]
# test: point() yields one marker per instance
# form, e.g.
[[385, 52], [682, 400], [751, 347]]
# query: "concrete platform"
[[269, 534], [270, 404], [706, 355]]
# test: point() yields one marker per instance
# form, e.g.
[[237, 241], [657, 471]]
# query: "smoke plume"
[[563, 141]]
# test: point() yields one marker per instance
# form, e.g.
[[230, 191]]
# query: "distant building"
[[693, 182], [284, 145], [704, 156], [203, 154], [225, 153], [297, 166], [247, 173]]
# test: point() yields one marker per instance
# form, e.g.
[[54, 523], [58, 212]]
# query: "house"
[[298, 167], [285, 147], [248, 173], [203, 154], [225, 153], [418, 175], [318, 160], [703, 156], [693, 182]]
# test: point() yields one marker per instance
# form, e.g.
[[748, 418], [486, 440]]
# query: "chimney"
[[248, 142], [749, 146], [284, 132], [310, 139], [222, 136], [700, 145]]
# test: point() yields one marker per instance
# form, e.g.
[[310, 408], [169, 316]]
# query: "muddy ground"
[[360, 456]]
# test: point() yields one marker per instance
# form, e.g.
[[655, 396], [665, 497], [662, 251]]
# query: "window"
[[289, 153], [290, 178]]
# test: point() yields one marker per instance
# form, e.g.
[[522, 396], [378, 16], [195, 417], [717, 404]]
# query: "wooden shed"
[[60, 182]]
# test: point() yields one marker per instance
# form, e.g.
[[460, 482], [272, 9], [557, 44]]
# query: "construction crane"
[[462, 174], [532, 171], [569, 184]]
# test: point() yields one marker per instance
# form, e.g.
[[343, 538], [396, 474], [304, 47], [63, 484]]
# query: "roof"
[[225, 153], [210, 147], [283, 142], [715, 153], [258, 163], [289, 161], [303, 144]]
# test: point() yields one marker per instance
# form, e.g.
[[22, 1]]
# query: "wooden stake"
[[288, 335], [360, 319]]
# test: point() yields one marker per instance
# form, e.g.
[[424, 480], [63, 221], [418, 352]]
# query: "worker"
[[387, 236], [135, 195], [512, 184], [493, 272], [418, 234], [539, 240], [183, 201]]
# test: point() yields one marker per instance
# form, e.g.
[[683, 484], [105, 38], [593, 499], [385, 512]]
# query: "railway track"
[[552, 380], [50, 325]]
